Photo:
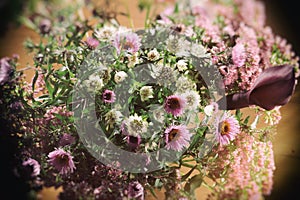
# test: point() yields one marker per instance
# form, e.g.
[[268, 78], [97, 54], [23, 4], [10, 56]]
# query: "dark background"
[[284, 18]]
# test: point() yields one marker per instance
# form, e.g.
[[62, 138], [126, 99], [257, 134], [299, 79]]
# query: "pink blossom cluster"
[[238, 39], [250, 167]]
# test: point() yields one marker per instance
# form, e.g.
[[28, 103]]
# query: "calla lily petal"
[[274, 87]]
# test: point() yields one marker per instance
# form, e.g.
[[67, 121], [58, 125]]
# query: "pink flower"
[[36, 168], [238, 55], [135, 190], [128, 41], [66, 139], [177, 137], [92, 43], [227, 129], [133, 141], [175, 104], [108, 96], [62, 161]]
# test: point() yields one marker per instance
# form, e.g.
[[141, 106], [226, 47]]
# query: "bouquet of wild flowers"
[[116, 113]]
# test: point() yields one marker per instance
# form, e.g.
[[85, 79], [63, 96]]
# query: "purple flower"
[[133, 141], [92, 43], [128, 41], [273, 87], [5, 70], [108, 96], [135, 190], [227, 129], [238, 55], [66, 139], [45, 26], [36, 168], [177, 137], [62, 161], [175, 104]]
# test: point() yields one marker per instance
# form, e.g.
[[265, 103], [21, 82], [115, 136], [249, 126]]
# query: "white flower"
[[163, 74], [181, 65], [134, 126], [209, 110], [192, 99], [184, 84], [105, 33], [178, 45], [133, 60], [120, 76], [153, 55], [146, 92], [112, 117], [199, 51], [94, 83]]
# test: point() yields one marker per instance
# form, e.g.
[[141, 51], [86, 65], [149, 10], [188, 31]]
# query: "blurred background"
[[282, 16]]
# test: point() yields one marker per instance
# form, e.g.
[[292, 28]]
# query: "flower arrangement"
[[117, 113]]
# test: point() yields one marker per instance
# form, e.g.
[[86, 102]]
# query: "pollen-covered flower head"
[[120, 76], [153, 55], [227, 128], [112, 117], [182, 65], [192, 99], [177, 137], [146, 92], [105, 33], [61, 161], [175, 105], [127, 41], [178, 45], [184, 84], [134, 125], [108, 96], [164, 75], [93, 83]]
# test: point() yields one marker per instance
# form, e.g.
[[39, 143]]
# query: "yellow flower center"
[[224, 128]]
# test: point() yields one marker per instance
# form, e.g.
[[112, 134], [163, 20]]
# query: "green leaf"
[[158, 183], [192, 184], [34, 79], [188, 174], [246, 121]]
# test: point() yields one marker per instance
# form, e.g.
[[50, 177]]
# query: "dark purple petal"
[[274, 87]]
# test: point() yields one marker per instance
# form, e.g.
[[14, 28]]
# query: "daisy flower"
[[36, 168], [227, 129], [108, 96], [62, 161], [92, 43], [128, 41], [175, 105], [177, 137]]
